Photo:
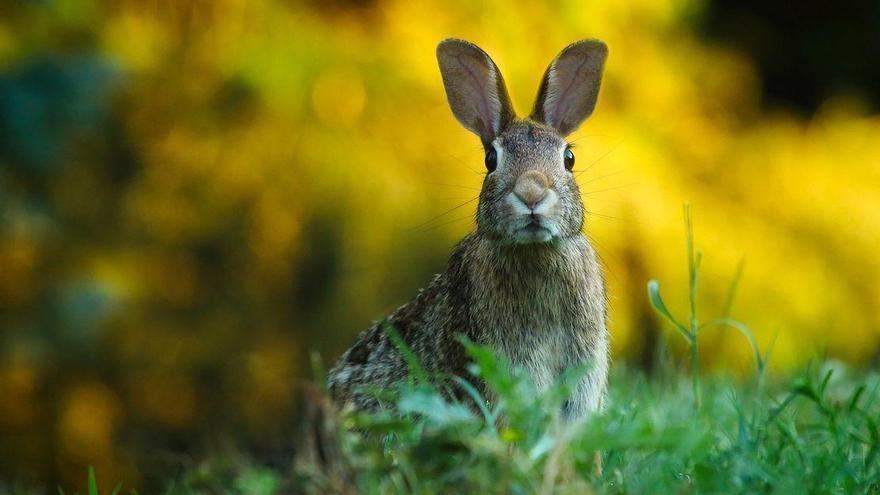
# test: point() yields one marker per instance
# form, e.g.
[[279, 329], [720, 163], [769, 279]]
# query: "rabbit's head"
[[529, 194]]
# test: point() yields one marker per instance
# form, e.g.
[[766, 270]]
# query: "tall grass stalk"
[[691, 330]]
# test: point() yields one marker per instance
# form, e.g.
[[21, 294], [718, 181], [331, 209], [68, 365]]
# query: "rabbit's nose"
[[531, 187]]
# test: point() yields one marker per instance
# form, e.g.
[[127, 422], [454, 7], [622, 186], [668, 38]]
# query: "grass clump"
[[814, 433]]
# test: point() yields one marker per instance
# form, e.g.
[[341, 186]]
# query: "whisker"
[[443, 214], [472, 169], [452, 185], [607, 201], [476, 172], [587, 136], [461, 161], [450, 222], [594, 179], [453, 198], [609, 189], [601, 215], [600, 249], [597, 160]]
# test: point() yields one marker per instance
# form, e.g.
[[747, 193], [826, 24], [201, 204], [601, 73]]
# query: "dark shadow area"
[[806, 51]]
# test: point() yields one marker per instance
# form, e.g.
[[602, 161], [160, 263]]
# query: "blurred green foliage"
[[816, 432], [194, 195]]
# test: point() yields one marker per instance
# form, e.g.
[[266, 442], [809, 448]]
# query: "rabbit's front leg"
[[589, 394], [589, 398]]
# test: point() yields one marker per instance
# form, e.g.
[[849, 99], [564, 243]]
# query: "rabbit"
[[527, 283]]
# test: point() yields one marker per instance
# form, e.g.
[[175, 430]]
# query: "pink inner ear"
[[482, 94], [570, 86], [563, 97], [474, 88]]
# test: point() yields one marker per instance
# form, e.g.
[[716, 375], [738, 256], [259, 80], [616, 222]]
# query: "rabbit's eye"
[[491, 160], [568, 158]]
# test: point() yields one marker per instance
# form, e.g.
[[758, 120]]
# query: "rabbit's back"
[[428, 325]]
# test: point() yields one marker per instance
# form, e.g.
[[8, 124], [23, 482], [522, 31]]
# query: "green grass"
[[675, 432], [92, 487], [814, 433]]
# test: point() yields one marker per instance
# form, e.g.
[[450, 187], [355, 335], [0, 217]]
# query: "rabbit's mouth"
[[532, 224], [533, 231]]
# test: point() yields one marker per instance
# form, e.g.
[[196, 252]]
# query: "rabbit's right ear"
[[570, 86], [474, 88]]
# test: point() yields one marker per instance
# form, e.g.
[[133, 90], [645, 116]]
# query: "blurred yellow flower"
[[338, 96]]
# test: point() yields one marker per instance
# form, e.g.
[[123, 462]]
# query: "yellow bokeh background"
[[291, 167]]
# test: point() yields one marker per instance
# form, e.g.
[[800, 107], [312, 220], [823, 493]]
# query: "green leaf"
[[93, 484], [258, 481], [478, 399], [495, 370], [425, 402], [660, 307], [544, 445], [854, 399]]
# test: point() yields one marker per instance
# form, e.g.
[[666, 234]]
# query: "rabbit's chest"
[[544, 310], [544, 343], [545, 356]]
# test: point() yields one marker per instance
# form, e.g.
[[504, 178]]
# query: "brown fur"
[[527, 283]]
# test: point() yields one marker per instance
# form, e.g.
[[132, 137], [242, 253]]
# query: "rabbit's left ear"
[[474, 88], [570, 86]]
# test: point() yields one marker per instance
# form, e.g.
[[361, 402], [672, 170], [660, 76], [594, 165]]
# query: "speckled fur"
[[540, 304]]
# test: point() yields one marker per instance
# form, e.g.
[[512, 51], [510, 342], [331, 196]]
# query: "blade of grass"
[[93, 484], [478, 400], [744, 330], [660, 307], [694, 260], [415, 367], [734, 286]]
